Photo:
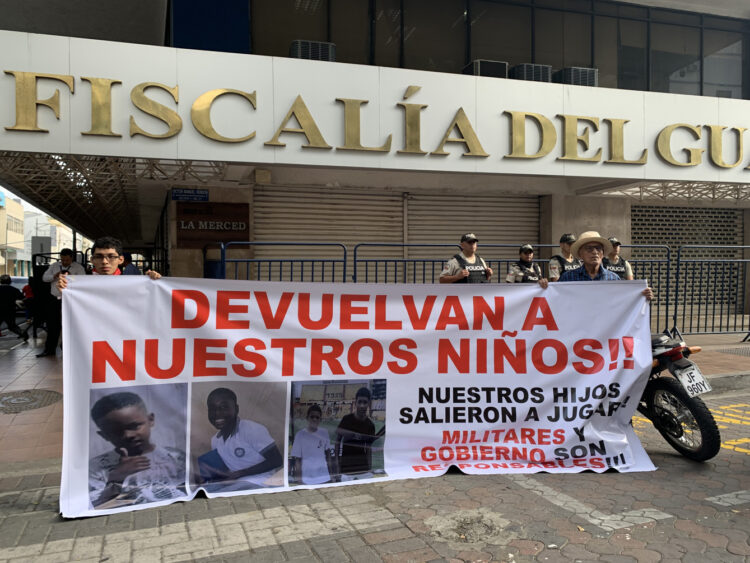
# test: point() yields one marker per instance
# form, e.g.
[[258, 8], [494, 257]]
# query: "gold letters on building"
[[585, 139]]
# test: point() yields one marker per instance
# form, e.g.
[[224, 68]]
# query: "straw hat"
[[587, 237]]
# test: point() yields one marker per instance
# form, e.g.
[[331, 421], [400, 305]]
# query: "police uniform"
[[477, 269], [559, 265], [621, 267], [524, 272]]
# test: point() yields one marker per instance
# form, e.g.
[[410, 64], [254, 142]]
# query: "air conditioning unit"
[[313, 50], [577, 75], [528, 71], [484, 67]]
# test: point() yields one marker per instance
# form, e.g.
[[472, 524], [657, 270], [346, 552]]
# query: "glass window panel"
[[563, 41], [577, 40], [605, 8], [500, 32], [548, 48], [632, 55], [668, 16], [675, 59], [722, 74], [726, 23], [436, 43], [276, 23], [576, 5], [350, 30], [632, 12], [387, 32], [605, 51]]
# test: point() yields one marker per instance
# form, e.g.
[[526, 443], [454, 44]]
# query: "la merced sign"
[[77, 96]]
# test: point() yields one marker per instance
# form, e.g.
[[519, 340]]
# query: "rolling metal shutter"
[[354, 216], [494, 219], [318, 215]]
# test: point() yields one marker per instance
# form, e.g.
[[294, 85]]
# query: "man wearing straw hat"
[[591, 248]]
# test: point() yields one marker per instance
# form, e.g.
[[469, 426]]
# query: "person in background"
[[524, 271], [128, 268], [8, 297], [54, 273], [614, 263], [466, 266], [564, 261], [28, 300]]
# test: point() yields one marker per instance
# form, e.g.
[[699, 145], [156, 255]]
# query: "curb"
[[728, 382]]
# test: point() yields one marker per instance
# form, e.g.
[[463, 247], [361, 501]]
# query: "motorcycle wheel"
[[685, 422]]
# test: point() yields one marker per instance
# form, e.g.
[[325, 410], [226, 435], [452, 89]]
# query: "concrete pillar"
[[610, 216]]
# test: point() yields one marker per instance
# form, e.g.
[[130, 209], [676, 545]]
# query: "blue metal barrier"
[[301, 269], [653, 263], [709, 292], [378, 268]]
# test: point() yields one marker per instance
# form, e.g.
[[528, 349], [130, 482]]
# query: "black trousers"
[[9, 318], [54, 325]]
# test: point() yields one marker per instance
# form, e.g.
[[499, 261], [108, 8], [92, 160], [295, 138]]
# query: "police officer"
[[524, 271], [466, 266], [561, 263], [614, 263]]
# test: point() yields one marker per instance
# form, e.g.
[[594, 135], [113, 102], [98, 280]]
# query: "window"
[[350, 30], [387, 33], [632, 64], [437, 42], [722, 57], [276, 23], [675, 59], [500, 32], [562, 39]]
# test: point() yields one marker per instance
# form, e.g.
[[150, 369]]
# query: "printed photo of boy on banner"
[[337, 431], [237, 436], [137, 445]]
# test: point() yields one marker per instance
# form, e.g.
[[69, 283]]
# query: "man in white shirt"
[[65, 266]]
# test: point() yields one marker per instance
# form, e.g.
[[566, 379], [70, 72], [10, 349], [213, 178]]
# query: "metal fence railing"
[[653, 263], [703, 289], [422, 263], [710, 289], [276, 261]]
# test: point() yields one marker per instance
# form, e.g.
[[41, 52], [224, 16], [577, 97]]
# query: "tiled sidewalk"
[[667, 516]]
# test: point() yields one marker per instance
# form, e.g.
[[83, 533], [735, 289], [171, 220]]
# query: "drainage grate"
[[745, 351], [18, 401]]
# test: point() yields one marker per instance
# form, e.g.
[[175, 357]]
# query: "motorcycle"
[[673, 405]]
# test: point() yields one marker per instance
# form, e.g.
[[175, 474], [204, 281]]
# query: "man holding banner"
[[591, 248]]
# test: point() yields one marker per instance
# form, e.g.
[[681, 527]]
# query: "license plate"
[[693, 381]]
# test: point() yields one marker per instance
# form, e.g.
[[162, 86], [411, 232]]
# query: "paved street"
[[682, 512]]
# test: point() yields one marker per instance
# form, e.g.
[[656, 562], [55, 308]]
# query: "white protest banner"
[[244, 387]]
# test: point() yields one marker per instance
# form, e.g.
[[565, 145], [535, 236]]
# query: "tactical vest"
[[530, 275], [477, 270], [618, 268], [566, 266]]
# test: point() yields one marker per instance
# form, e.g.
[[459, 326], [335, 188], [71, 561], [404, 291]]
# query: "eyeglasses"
[[108, 257], [593, 248]]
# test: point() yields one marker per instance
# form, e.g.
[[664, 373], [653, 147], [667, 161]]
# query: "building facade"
[[402, 131]]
